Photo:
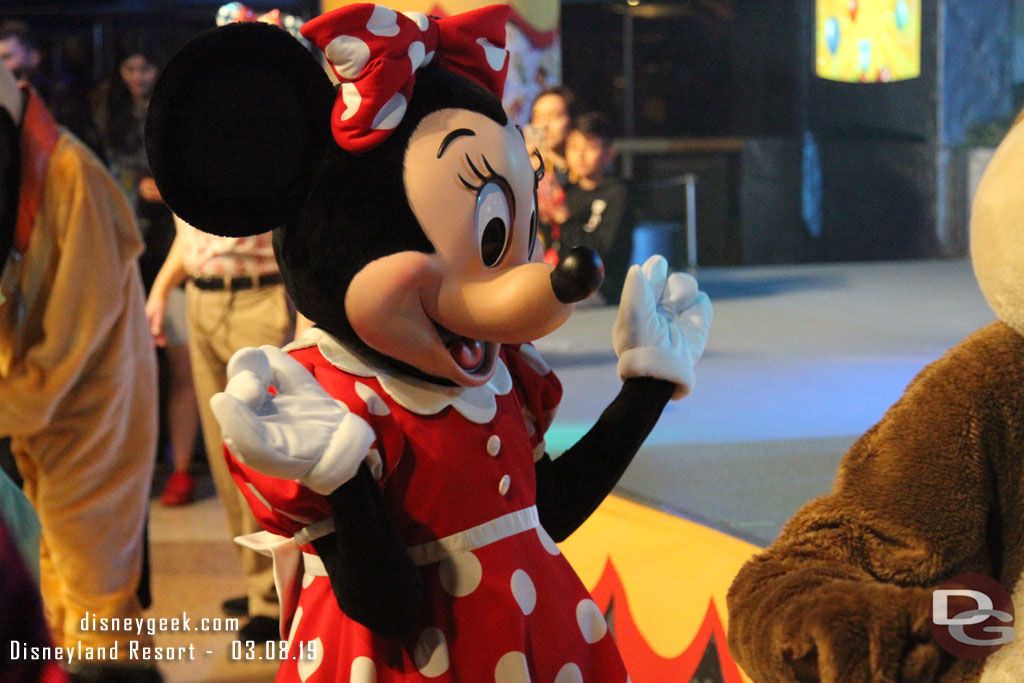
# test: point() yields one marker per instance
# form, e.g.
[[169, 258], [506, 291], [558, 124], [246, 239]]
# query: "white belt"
[[308, 534], [483, 534], [434, 551], [285, 551]]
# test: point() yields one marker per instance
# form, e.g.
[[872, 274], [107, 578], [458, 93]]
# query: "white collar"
[[476, 404]]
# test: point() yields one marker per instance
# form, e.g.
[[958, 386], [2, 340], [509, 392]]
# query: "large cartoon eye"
[[493, 222]]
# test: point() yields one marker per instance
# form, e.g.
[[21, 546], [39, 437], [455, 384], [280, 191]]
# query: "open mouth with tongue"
[[471, 355]]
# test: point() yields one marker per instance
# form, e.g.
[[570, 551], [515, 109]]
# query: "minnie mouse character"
[[395, 453]]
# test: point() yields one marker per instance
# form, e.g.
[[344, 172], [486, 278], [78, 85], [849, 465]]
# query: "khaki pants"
[[219, 324]]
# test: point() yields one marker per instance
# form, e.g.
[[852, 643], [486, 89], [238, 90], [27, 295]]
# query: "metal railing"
[[689, 182]]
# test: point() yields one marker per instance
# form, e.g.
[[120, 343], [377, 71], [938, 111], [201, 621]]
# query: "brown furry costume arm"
[[843, 593]]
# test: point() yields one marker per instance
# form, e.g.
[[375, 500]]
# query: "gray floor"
[[800, 361]]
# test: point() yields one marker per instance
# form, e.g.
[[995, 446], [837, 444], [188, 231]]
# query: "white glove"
[[301, 433], [662, 325]]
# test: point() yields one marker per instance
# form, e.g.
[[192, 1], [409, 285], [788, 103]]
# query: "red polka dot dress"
[[457, 472]]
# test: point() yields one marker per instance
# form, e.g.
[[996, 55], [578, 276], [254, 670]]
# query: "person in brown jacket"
[[933, 491]]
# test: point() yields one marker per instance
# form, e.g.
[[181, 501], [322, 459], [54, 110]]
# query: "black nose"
[[578, 275]]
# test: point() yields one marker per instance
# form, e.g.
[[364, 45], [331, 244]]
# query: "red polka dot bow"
[[375, 51]]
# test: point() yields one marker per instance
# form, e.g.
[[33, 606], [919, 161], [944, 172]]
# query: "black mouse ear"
[[236, 127]]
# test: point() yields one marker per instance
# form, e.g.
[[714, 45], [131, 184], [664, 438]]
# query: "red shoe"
[[179, 490]]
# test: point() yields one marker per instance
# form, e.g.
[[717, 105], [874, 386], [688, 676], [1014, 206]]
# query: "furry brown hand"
[[849, 632]]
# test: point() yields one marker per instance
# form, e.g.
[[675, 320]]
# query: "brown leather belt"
[[238, 282]]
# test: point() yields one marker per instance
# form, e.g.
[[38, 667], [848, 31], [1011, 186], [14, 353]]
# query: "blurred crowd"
[[580, 200]]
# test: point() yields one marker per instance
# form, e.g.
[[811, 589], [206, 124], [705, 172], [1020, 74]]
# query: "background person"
[[22, 53], [596, 213], [121, 117], [550, 116], [235, 298], [19, 51]]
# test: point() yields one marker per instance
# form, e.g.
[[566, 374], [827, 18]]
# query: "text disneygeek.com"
[[130, 650]]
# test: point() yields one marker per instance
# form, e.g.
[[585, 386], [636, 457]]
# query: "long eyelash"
[[538, 175], [476, 170], [487, 165], [484, 179], [471, 186]]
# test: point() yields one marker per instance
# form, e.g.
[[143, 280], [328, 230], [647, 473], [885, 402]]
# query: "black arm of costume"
[[570, 487], [374, 580]]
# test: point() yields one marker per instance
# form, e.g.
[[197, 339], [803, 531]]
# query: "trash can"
[[657, 237]]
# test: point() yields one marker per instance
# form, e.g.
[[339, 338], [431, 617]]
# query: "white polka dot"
[[512, 668], [416, 54], [348, 54], [308, 667], [295, 625], [534, 360], [383, 22], [570, 673], [426, 60], [494, 445], [431, 653], [352, 99], [591, 621], [495, 55], [390, 115], [374, 403], [524, 591], [504, 484], [460, 574], [420, 18], [548, 542], [307, 580], [364, 671]]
